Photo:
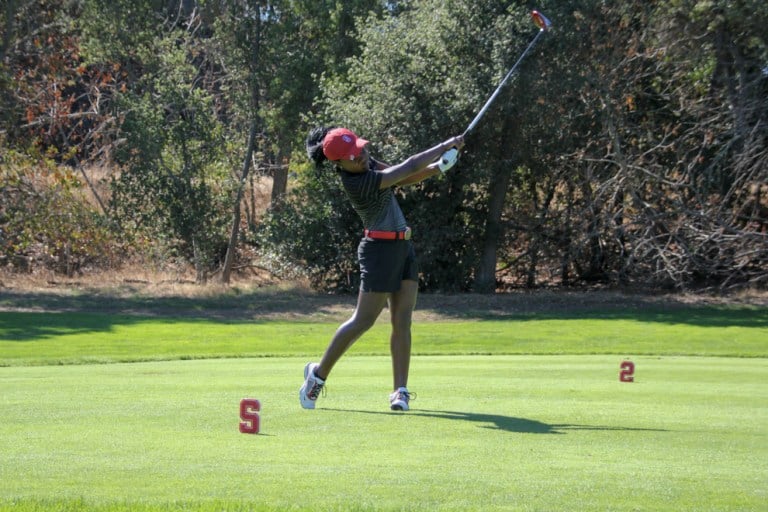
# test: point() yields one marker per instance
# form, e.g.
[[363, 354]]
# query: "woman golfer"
[[386, 256]]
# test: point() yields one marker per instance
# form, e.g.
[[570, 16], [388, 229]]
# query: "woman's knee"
[[362, 321], [369, 306], [401, 321]]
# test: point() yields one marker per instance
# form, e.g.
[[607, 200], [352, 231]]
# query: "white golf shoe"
[[311, 388], [398, 400]]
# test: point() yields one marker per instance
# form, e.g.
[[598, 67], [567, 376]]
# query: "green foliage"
[[172, 183], [122, 30], [621, 152], [413, 84], [314, 234]]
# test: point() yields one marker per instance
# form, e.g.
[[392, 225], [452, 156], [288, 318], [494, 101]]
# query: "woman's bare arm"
[[429, 171], [413, 167]]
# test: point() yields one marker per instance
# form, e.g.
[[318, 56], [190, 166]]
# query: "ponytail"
[[314, 145]]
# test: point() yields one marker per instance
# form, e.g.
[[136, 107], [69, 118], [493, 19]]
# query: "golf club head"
[[540, 20]]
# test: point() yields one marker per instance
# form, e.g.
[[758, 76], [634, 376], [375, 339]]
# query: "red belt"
[[389, 235]]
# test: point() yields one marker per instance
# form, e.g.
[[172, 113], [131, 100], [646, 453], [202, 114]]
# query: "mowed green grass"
[[513, 414], [486, 433], [64, 338]]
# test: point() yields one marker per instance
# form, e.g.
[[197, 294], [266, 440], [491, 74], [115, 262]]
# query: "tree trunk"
[[226, 273], [198, 255], [485, 279], [255, 88], [279, 185], [10, 9]]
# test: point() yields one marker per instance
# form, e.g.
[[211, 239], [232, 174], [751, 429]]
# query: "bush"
[[46, 221], [314, 234]]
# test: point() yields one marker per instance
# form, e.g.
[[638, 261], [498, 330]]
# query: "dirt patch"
[[164, 295]]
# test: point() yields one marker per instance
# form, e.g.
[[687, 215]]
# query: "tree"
[[663, 145], [630, 148], [172, 180], [48, 123], [277, 49], [241, 36], [420, 76]]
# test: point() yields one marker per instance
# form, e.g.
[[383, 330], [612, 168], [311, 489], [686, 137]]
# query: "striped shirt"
[[378, 208]]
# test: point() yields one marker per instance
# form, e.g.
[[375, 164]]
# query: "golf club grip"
[[500, 86]]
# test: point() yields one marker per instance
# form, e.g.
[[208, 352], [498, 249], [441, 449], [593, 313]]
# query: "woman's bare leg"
[[401, 304], [369, 306]]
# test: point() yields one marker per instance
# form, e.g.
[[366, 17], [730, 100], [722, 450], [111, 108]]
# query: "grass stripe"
[[66, 338]]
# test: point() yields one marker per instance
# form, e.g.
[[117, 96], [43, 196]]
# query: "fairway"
[[509, 432]]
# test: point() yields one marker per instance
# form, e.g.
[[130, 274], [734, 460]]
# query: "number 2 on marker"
[[627, 373]]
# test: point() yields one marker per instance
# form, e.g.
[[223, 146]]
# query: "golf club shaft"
[[500, 86]]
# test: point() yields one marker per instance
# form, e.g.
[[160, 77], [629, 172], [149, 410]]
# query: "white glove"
[[448, 159]]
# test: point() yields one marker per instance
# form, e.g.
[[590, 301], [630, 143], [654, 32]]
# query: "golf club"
[[544, 24]]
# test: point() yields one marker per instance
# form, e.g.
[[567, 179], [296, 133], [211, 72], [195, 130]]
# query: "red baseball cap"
[[340, 144]]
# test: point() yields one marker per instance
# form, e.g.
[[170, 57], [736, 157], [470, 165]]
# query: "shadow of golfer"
[[492, 421], [504, 423]]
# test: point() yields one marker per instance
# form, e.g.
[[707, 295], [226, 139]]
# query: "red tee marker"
[[249, 416], [627, 372]]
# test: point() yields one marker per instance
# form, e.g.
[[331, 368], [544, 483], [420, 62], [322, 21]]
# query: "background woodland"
[[631, 149]]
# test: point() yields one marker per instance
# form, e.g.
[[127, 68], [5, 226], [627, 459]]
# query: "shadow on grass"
[[501, 422]]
